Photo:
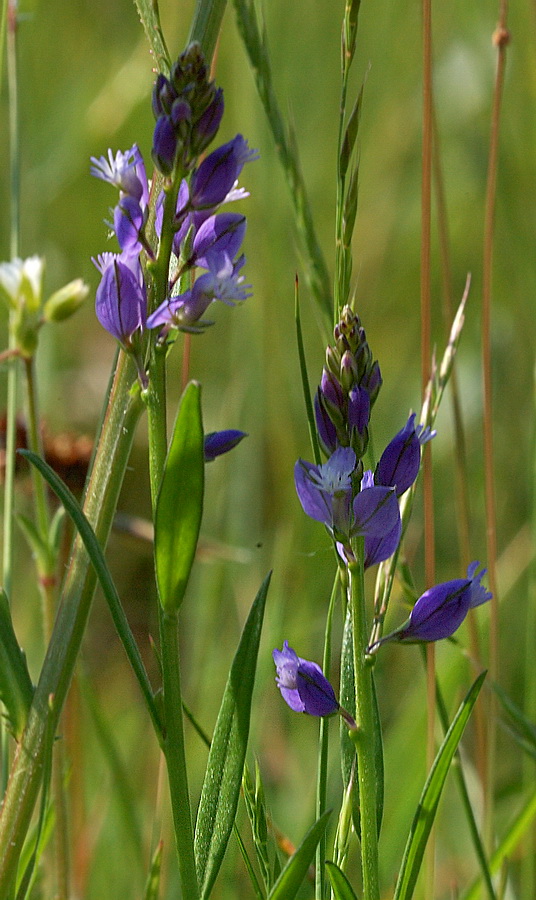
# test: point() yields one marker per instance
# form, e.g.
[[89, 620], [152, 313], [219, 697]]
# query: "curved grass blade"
[[96, 556], [152, 887], [179, 506], [305, 381], [256, 45], [504, 851], [223, 776], [16, 688], [291, 877], [427, 808], [342, 889]]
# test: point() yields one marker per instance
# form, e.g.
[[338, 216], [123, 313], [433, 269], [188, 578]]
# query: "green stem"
[[169, 648], [122, 413], [322, 775], [35, 444], [175, 754], [363, 737]]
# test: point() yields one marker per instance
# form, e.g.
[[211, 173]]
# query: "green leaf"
[[342, 889], [16, 689], [290, 879], [223, 776], [508, 844], [96, 556], [256, 810], [152, 887], [305, 382], [427, 808], [179, 506], [35, 541]]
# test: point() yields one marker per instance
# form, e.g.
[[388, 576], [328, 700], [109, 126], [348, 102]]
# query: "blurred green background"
[[85, 83]]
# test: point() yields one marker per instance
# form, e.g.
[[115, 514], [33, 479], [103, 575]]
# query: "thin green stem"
[[175, 754], [122, 413], [36, 445], [322, 774], [9, 22], [363, 736]]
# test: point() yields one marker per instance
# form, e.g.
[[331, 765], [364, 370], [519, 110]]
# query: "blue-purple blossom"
[[222, 233], [440, 611], [218, 442], [303, 685], [126, 171], [222, 282], [327, 494], [218, 173], [121, 300], [399, 463]]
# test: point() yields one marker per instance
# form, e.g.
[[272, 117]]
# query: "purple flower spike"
[[218, 442], [121, 300], [440, 611], [399, 463], [303, 685]]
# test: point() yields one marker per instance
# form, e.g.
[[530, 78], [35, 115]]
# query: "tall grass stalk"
[[500, 40]]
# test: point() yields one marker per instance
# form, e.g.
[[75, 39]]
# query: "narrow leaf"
[[342, 889], [16, 689], [179, 506], [427, 808], [305, 381], [508, 844], [223, 776], [96, 556], [291, 877], [152, 887]]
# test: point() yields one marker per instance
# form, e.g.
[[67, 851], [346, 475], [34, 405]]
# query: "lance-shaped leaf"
[[223, 776], [16, 689], [291, 877], [179, 507], [342, 889], [427, 808]]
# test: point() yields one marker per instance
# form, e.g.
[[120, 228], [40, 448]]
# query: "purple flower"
[[222, 233], [121, 300], [327, 494], [399, 463], [303, 685], [218, 173], [126, 172], [218, 442], [221, 282], [165, 145], [440, 611]]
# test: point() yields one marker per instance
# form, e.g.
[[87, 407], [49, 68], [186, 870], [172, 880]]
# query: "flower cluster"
[[349, 386], [352, 502], [188, 110]]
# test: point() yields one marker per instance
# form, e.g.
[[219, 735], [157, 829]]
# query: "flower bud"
[[303, 685], [64, 303]]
